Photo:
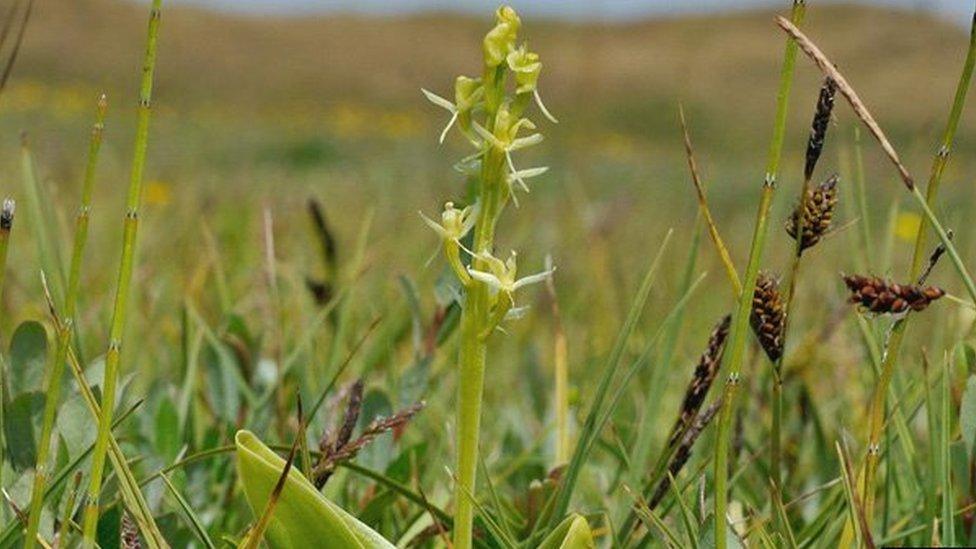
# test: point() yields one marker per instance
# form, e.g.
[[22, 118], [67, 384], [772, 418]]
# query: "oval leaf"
[[302, 517], [572, 533], [28, 352]]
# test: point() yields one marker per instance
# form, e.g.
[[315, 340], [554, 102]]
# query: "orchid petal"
[[439, 101]]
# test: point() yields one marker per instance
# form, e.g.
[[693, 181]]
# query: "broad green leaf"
[[572, 533], [110, 528], [221, 381], [967, 415], [28, 351], [19, 429], [302, 517]]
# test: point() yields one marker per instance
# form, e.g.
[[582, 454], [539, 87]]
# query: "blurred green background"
[[256, 114]]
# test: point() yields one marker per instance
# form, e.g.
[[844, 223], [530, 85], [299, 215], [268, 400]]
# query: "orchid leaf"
[[302, 517]]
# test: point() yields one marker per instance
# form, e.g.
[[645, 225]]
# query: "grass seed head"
[[817, 211], [768, 317], [881, 296], [818, 128]]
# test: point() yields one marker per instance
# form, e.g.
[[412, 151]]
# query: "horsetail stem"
[[740, 327], [130, 231], [64, 331]]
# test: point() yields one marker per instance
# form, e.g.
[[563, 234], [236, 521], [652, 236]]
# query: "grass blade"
[[588, 433], [195, 523]]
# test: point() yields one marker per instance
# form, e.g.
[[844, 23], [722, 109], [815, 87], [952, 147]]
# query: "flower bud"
[[501, 39], [466, 93]]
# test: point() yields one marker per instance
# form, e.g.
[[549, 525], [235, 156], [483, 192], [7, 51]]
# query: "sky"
[[956, 10]]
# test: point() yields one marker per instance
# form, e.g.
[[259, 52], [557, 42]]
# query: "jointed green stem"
[[740, 328], [130, 230], [876, 418], [64, 333]]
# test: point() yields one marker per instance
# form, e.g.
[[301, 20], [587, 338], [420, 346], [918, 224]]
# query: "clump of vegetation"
[[469, 412]]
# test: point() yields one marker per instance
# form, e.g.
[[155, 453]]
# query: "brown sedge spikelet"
[[702, 380], [817, 211], [768, 317], [322, 289], [683, 451], [818, 128], [881, 296]]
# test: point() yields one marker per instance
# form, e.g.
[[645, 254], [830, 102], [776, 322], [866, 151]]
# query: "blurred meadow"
[[254, 116]]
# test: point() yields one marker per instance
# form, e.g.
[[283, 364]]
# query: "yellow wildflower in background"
[[158, 193], [906, 226]]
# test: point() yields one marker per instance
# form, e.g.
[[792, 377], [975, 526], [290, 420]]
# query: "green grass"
[[223, 333]]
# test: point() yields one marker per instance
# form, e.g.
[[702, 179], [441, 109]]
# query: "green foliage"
[[231, 319], [302, 517], [572, 533]]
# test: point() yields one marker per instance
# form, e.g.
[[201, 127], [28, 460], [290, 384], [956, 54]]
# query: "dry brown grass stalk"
[[340, 447], [723, 251]]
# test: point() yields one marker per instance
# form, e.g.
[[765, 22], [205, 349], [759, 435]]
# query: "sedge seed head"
[[768, 318], [817, 211], [881, 296]]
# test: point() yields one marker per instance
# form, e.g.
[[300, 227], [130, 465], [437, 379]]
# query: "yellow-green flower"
[[501, 276], [501, 39], [526, 66]]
